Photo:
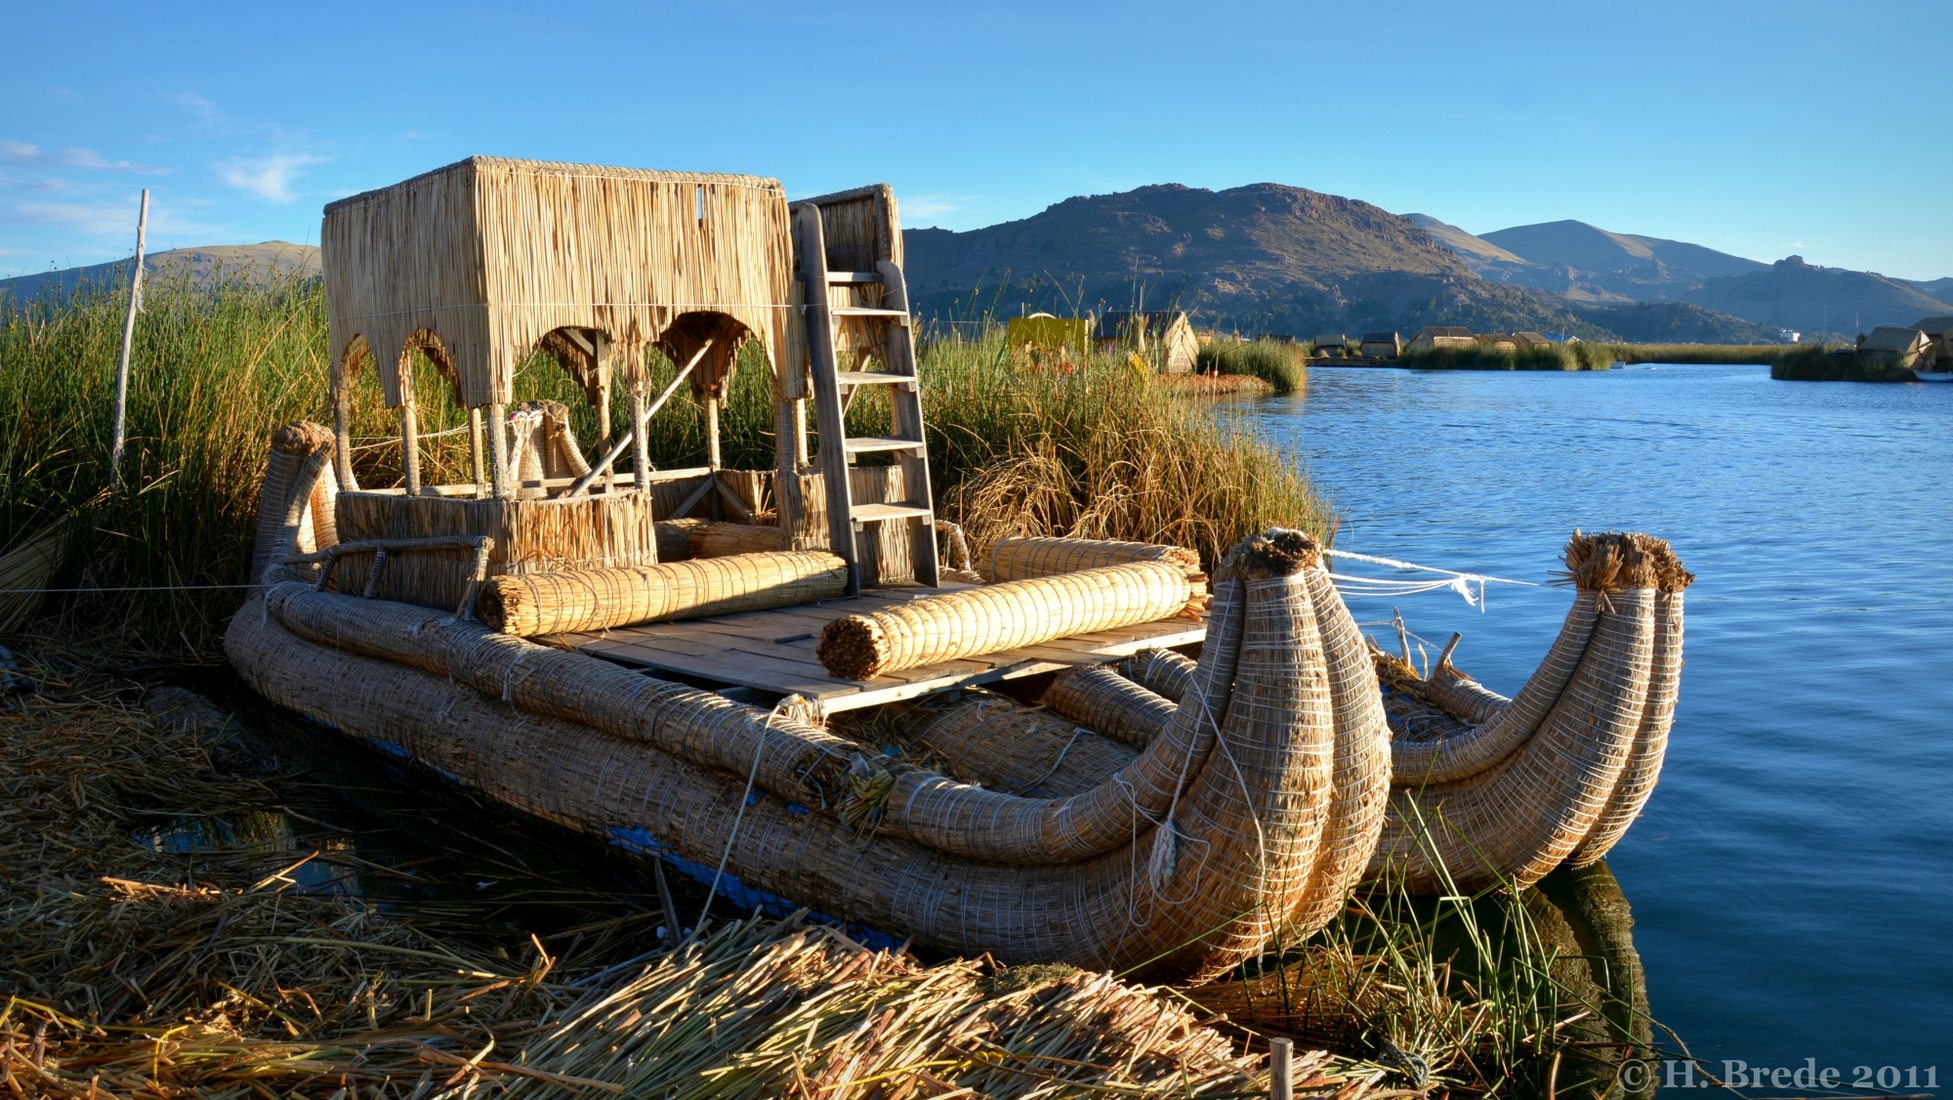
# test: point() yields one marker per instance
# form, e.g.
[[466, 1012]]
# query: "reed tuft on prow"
[[1612, 561], [1279, 553]]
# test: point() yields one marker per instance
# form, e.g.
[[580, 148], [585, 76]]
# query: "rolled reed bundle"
[[1007, 616], [1162, 671], [718, 540], [675, 538], [1006, 746], [1024, 558], [594, 599], [1109, 703]]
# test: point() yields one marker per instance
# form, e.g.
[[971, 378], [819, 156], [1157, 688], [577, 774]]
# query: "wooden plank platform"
[[773, 651]]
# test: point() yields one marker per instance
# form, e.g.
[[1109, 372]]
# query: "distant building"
[[1789, 336], [1431, 337], [1900, 347], [1505, 340], [1530, 339], [1332, 344], [1048, 333], [1938, 330], [1381, 345], [1166, 337]]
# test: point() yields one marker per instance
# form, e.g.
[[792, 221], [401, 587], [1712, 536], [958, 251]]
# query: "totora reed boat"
[[766, 678]]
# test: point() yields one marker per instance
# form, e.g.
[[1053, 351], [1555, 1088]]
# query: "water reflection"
[[1435, 990]]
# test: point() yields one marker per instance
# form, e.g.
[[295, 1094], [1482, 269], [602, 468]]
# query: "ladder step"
[[861, 444], [901, 315], [854, 278], [873, 378], [876, 513]]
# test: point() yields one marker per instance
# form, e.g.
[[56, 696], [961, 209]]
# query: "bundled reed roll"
[[718, 540], [595, 599], [998, 617], [1024, 558]]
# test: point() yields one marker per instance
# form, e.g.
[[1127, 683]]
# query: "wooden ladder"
[[854, 530]]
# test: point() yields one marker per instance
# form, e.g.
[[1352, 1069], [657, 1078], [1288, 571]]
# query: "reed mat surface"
[[595, 599], [132, 969]]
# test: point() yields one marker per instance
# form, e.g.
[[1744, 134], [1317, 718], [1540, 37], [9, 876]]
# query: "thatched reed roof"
[[478, 262]]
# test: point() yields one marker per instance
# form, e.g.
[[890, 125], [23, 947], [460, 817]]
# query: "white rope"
[[1350, 555], [732, 835], [1350, 585]]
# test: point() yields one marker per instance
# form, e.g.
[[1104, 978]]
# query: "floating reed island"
[[797, 685]]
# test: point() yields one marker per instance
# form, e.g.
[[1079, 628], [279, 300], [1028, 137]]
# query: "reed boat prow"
[[1488, 791], [1494, 791]]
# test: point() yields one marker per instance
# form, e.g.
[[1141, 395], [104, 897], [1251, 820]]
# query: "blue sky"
[[1762, 129]]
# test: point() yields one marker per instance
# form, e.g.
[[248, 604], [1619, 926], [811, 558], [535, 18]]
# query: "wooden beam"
[[634, 438]]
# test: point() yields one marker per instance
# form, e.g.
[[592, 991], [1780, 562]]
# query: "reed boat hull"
[[1252, 816]]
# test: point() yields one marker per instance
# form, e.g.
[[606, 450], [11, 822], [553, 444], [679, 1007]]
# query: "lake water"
[[1792, 877]]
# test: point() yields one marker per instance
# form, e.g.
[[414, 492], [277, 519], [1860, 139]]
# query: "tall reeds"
[[1280, 365], [1083, 448]]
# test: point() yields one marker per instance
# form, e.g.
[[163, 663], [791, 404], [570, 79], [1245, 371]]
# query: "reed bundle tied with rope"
[[595, 599], [998, 617]]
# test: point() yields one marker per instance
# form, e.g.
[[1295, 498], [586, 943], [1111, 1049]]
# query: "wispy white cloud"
[[24, 152], [88, 217], [270, 178], [203, 109], [107, 223], [935, 206]]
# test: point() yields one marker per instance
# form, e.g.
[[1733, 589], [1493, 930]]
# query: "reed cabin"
[[473, 270]]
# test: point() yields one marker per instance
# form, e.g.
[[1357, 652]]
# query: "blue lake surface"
[[1792, 877]]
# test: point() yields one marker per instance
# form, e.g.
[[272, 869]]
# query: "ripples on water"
[[1792, 878]]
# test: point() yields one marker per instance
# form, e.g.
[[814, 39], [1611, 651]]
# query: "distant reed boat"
[[675, 661]]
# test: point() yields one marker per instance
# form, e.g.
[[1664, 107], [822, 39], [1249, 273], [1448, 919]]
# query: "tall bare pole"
[[128, 335]]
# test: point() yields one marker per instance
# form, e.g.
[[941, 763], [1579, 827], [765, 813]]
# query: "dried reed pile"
[[131, 971], [573, 600], [996, 617]]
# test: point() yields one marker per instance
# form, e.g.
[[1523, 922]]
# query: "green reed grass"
[[1563, 357], [1280, 365], [1095, 450]]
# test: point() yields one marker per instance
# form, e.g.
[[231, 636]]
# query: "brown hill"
[[1793, 294], [1263, 258], [201, 266], [1639, 268]]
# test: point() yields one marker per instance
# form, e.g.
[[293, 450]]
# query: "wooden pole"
[[128, 335], [476, 461], [498, 449], [1281, 1068]]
